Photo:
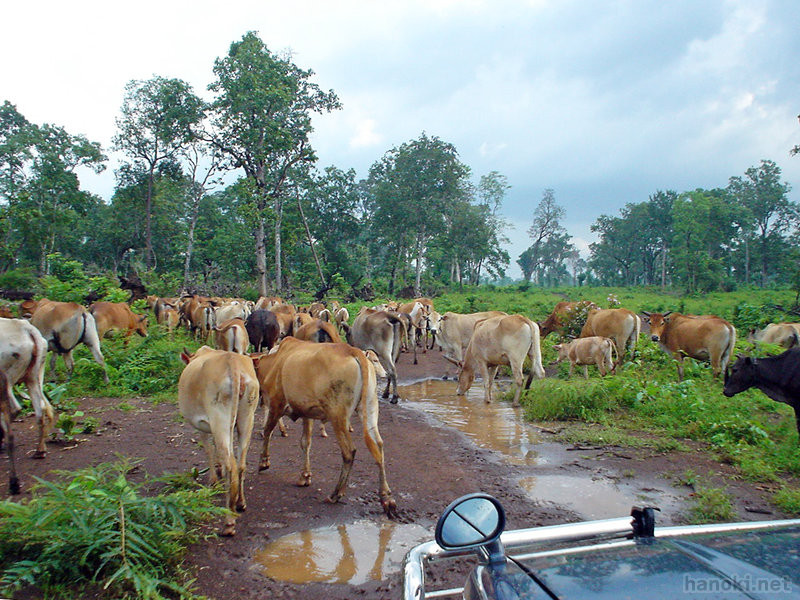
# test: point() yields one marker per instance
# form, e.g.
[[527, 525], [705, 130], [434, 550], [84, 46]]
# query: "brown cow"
[[703, 338], [118, 315], [324, 381], [65, 325], [555, 321], [503, 340], [232, 336], [593, 350], [218, 395], [284, 313], [23, 353], [620, 324]]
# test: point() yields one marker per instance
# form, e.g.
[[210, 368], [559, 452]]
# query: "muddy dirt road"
[[428, 464]]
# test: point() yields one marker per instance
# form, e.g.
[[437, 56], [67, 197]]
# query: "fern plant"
[[94, 526]]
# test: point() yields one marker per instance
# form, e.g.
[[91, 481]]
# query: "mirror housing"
[[471, 521]]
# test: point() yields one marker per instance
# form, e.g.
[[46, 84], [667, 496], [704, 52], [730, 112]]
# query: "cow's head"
[[188, 357], [740, 376], [657, 322]]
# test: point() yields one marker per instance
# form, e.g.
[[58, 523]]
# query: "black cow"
[[262, 329], [777, 376]]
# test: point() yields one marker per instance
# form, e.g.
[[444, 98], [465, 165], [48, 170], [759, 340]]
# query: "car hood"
[[754, 564]]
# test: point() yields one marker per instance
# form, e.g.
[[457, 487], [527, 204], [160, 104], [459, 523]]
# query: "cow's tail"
[[535, 354], [397, 328], [728, 351], [637, 331]]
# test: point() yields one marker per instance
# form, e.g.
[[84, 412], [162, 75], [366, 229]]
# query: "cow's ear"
[[143, 318], [557, 347], [186, 357], [748, 361], [667, 314]]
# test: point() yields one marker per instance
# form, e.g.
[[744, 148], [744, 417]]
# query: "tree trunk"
[[746, 262], [261, 257], [418, 275], [190, 241], [278, 267], [311, 243], [148, 229], [663, 265]]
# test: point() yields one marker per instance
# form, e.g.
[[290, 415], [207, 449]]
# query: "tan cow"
[[342, 315], [23, 353], [786, 335], [285, 314], [318, 331], [561, 311], [170, 318], [111, 316], [232, 336], [455, 331], [65, 325], [503, 340], [620, 324], [593, 350], [218, 395], [324, 381], [6, 434], [379, 331], [417, 313], [703, 338]]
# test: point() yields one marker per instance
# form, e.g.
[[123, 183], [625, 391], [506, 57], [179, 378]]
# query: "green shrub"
[[95, 526], [18, 279]]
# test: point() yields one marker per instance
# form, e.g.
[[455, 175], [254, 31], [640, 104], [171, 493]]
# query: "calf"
[[218, 395], [504, 340], [65, 325], [777, 376], [6, 414], [23, 352], [593, 350], [109, 316], [324, 381], [262, 329]]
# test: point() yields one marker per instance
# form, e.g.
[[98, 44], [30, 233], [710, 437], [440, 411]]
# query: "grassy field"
[[642, 404]]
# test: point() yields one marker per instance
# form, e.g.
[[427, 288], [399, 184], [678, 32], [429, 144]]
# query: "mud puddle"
[[357, 552], [548, 471]]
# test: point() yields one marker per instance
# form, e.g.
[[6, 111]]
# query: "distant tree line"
[[701, 240], [418, 219]]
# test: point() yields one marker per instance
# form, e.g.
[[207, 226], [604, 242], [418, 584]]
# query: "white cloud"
[[365, 135]]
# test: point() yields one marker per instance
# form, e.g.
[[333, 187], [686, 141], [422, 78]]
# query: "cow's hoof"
[[394, 399], [241, 507], [40, 454], [305, 480], [13, 486], [389, 507], [228, 531], [333, 498], [263, 465], [415, 361]]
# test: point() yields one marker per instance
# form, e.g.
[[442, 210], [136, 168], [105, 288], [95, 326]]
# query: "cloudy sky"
[[604, 102]]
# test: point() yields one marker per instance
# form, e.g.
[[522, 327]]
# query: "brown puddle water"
[[357, 552], [353, 553]]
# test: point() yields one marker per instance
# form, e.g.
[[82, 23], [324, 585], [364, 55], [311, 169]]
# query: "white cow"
[[23, 352]]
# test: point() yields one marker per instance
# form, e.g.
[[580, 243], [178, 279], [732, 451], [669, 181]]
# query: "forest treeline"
[[224, 195]]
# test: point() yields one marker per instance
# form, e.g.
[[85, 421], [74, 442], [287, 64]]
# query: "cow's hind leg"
[[273, 416], [305, 444], [372, 438], [341, 427]]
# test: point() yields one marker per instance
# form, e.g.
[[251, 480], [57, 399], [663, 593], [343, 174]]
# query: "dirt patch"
[[428, 465]]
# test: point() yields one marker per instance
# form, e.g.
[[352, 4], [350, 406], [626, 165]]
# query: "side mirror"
[[471, 521]]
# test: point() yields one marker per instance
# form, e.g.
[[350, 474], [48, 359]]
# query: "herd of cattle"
[[301, 367]]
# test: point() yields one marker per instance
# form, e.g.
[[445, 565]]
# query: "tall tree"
[[763, 194], [415, 185], [546, 225], [261, 117], [157, 120]]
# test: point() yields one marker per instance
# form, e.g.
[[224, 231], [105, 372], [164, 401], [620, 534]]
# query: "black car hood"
[[756, 564]]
